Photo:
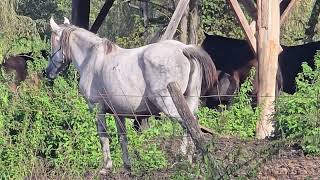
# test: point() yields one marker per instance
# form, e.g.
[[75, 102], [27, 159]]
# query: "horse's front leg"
[[104, 140], [122, 135]]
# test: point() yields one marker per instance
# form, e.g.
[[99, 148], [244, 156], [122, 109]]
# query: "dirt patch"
[[236, 158], [291, 165], [264, 159]]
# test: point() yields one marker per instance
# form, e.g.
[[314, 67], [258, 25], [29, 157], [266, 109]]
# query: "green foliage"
[[38, 121], [13, 26], [298, 115], [302, 23], [134, 39], [239, 120], [39, 9], [218, 18]]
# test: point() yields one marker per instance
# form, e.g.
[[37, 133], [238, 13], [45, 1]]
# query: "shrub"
[[298, 115], [239, 119]]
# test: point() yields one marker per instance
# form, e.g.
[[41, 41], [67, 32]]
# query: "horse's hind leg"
[[165, 103], [122, 135]]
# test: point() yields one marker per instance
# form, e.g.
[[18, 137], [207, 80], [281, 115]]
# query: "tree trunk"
[[193, 22], [183, 27], [80, 13]]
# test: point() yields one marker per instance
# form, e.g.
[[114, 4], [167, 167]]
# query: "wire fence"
[[224, 151]]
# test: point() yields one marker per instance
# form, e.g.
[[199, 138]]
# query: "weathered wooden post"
[[183, 27], [244, 24], [175, 20], [268, 46]]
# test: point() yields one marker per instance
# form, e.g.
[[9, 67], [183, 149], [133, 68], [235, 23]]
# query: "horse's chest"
[[87, 88]]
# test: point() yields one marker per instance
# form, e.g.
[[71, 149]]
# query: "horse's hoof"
[[104, 171], [127, 171]]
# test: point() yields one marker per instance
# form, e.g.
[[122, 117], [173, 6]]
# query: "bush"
[[298, 115], [239, 119]]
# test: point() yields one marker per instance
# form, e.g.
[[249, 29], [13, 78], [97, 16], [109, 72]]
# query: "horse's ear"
[[54, 26], [66, 21]]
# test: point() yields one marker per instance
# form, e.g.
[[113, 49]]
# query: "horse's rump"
[[209, 70]]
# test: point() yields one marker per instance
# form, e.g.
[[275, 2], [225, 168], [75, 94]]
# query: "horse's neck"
[[82, 49]]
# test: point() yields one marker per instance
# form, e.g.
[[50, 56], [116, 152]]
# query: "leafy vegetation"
[[239, 119], [218, 18], [298, 115]]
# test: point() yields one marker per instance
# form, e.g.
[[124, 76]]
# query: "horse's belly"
[[128, 104]]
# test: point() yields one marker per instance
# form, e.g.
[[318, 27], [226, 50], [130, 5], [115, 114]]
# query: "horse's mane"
[[65, 37], [108, 45]]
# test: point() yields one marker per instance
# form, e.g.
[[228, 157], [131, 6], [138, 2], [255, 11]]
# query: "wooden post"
[[175, 20], [244, 24], [190, 122], [253, 27], [268, 27]]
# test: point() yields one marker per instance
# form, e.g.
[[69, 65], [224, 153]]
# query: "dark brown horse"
[[234, 57], [17, 64]]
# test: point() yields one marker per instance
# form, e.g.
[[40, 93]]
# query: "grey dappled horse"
[[129, 82]]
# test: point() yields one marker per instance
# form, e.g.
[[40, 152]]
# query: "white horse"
[[129, 82]]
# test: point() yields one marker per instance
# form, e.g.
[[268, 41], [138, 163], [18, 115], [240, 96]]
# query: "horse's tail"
[[209, 73]]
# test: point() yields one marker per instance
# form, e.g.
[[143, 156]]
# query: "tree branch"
[[101, 16]]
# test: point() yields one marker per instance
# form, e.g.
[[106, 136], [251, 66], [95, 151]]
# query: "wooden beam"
[[244, 24], [101, 16], [286, 13], [175, 20], [268, 50]]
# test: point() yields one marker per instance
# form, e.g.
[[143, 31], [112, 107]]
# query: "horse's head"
[[59, 60]]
